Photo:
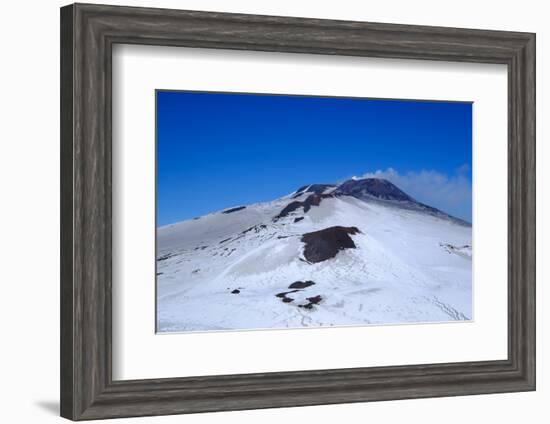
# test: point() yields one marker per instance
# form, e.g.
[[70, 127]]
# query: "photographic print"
[[286, 211]]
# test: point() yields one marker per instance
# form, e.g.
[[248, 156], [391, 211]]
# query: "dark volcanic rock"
[[375, 187], [165, 257], [236, 291], [256, 228], [315, 300], [291, 207], [311, 200], [301, 189], [313, 188], [325, 244], [298, 219], [283, 296], [238, 208], [301, 284]]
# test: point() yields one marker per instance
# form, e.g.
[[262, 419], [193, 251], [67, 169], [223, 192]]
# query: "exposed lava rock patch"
[[255, 228], [298, 286], [325, 244], [301, 284], [283, 296], [315, 300], [298, 219], [313, 188], [464, 251], [236, 291], [301, 189], [311, 200], [165, 257], [238, 208]]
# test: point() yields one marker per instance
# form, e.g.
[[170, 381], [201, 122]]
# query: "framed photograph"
[[264, 211]]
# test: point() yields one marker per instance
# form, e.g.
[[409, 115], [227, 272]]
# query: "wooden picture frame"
[[88, 33]]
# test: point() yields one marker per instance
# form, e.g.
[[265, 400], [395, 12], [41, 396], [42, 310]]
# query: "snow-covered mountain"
[[358, 253]]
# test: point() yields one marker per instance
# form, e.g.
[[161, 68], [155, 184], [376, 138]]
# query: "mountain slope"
[[359, 253]]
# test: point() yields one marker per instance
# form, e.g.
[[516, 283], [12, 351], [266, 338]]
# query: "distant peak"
[[374, 187]]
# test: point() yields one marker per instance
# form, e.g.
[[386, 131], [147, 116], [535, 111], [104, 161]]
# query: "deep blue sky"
[[217, 150]]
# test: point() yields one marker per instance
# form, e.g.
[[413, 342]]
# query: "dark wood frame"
[[88, 33]]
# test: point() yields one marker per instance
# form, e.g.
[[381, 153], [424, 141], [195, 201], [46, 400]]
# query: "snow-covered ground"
[[223, 271]]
